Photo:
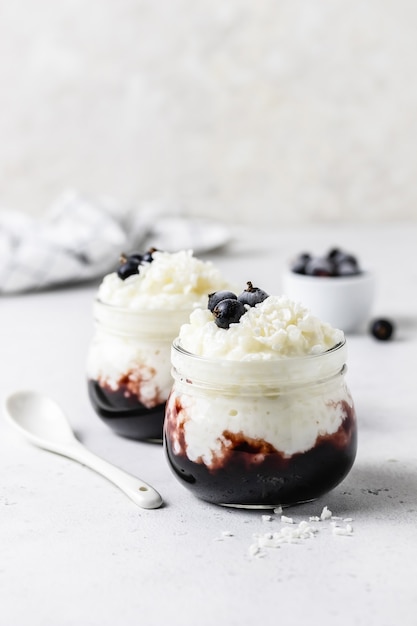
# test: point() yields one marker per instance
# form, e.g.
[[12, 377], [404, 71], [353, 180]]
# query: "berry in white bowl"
[[334, 287]]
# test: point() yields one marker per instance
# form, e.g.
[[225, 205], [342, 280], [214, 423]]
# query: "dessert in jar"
[[259, 414], [138, 312]]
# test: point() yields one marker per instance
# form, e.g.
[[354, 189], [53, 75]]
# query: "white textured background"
[[269, 110]]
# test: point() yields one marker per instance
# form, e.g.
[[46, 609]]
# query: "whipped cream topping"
[[171, 281], [273, 329]]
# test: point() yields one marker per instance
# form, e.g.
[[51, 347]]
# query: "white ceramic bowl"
[[345, 302]]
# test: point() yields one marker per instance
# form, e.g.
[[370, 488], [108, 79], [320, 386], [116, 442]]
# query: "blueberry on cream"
[[228, 311], [228, 308], [130, 263], [217, 296], [252, 295]]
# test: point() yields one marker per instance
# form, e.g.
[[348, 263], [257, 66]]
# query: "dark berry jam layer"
[[253, 473], [124, 414]]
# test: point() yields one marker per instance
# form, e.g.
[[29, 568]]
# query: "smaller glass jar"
[[129, 369], [259, 434]]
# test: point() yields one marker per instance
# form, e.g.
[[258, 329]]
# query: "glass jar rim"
[[161, 324], [285, 371], [144, 311], [338, 346]]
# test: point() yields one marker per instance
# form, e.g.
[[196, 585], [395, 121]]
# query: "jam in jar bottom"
[[125, 415], [244, 478]]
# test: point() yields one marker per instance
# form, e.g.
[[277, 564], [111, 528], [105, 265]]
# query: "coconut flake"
[[325, 514]]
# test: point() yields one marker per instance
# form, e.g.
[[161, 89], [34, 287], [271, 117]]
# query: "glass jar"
[[129, 369], [259, 434]]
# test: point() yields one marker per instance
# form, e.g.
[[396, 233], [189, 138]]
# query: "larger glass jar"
[[129, 369], [259, 434]]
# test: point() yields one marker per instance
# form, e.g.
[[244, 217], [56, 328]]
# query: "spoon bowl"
[[41, 420]]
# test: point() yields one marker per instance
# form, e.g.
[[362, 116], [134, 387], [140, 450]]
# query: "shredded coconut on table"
[[342, 530], [297, 533], [326, 513]]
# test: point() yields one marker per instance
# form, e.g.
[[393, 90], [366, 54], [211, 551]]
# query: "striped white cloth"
[[79, 239]]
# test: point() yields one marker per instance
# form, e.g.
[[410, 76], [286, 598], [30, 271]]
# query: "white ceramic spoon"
[[43, 423]]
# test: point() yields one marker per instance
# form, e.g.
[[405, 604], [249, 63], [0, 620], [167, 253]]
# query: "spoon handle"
[[136, 489]]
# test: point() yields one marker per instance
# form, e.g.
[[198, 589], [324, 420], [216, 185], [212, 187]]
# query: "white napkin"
[[80, 239]]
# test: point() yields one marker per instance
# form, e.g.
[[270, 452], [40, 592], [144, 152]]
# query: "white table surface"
[[76, 551]]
